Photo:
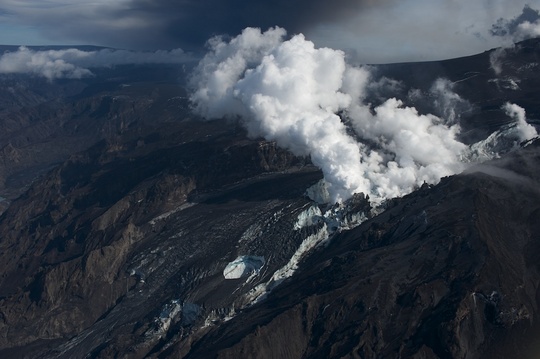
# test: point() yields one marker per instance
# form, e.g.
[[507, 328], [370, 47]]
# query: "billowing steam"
[[287, 91], [310, 101], [525, 131], [74, 63]]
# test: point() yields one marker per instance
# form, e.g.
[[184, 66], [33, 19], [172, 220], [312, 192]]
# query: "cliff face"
[[118, 248]]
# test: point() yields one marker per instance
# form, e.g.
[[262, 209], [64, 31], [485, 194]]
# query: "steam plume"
[[291, 92], [524, 26], [525, 130]]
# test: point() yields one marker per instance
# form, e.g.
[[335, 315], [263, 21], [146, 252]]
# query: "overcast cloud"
[[523, 26], [76, 64], [372, 31]]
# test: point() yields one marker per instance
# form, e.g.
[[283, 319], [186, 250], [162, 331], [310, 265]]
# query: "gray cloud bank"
[[143, 24], [75, 63], [525, 25], [376, 31]]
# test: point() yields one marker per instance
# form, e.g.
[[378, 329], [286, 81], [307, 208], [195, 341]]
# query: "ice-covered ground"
[[243, 266], [172, 312], [505, 139], [337, 218]]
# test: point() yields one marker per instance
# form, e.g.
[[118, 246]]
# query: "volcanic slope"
[[120, 251], [44, 122], [484, 81], [136, 226], [447, 272]]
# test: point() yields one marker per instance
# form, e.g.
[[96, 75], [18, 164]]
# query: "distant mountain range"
[[122, 209]]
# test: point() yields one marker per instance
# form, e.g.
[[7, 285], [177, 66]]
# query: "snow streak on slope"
[[312, 102]]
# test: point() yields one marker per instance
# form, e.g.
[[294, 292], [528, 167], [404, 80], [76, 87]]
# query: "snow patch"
[[309, 217], [339, 218], [163, 322], [498, 143], [219, 315], [505, 139], [307, 245], [507, 83]]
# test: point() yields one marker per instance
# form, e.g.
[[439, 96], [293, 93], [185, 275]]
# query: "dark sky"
[[189, 23], [375, 31], [201, 19]]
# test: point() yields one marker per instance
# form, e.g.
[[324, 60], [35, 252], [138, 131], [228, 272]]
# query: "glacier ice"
[[243, 266], [308, 217]]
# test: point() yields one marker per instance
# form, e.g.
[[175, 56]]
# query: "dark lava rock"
[[448, 272], [118, 249], [116, 232]]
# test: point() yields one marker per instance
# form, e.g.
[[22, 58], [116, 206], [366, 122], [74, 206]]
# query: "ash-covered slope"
[[118, 233], [44, 122], [447, 272], [179, 238]]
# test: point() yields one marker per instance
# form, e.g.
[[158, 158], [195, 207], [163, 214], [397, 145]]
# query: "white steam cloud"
[[75, 64], [525, 130], [448, 103], [527, 30], [287, 91], [310, 101], [496, 59]]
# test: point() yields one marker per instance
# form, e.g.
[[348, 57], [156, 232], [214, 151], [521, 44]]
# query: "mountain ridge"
[[119, 249]]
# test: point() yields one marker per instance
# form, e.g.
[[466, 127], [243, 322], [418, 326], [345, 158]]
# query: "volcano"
[[132, 228]]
